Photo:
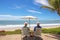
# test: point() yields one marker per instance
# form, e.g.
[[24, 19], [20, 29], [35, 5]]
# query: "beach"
[[11, 25], [29, 17], [15, 27], [18, 37]]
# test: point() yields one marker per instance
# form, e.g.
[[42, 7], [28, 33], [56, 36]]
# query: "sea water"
[[20, 23]]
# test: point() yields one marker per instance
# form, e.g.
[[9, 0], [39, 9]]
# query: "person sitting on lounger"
[[32, 37], [37, 29], [25, 29]]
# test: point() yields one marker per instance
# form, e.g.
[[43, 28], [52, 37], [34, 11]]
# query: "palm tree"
[[54, 6]]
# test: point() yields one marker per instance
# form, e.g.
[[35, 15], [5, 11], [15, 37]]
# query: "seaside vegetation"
[[18, 31], [51, 30], [44, 30]]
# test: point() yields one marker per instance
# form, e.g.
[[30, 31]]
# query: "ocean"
[[20, 23]]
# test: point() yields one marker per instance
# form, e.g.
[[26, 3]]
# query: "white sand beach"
[[18, 37]]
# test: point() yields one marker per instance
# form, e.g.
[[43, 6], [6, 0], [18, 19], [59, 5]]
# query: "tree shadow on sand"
[[54, 36]]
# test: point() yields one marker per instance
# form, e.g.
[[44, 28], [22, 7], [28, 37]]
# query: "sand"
[[18, 37]]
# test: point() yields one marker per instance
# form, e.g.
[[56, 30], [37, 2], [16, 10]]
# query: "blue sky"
[[14, 9]]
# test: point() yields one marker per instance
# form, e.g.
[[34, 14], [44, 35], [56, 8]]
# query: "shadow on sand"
[[53, 36], [32, 38]]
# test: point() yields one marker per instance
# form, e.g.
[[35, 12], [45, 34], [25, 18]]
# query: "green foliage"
[[52, 30], [54, 3], [54, 6], [44, 30], [2, 33], [13, 32]]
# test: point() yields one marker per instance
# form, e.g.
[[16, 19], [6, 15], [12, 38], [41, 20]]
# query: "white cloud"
[[9, 17], [34, 11], [43, 2], [16, 7]]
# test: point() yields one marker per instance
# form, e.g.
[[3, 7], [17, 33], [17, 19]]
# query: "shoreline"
[[15, 28], [21, 25]]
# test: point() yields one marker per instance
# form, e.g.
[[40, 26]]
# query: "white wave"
[[32, 25]]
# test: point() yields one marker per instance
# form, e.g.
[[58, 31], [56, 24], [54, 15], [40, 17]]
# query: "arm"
[[28, 29], [34, 28]]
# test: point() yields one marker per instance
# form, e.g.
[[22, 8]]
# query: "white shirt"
[[25, 31]]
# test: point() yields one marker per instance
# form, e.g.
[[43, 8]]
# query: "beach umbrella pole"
[[29, 22]]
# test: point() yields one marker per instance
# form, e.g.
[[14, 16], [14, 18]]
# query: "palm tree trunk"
[[58, 9]]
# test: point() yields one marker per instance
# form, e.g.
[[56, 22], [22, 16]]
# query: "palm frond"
[[55, 6], [50, 8]]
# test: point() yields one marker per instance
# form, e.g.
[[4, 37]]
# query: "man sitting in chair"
[[25, 29], [32, 37], [37, 29]]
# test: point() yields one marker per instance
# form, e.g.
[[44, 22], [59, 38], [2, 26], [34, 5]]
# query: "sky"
[[14, 9]]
